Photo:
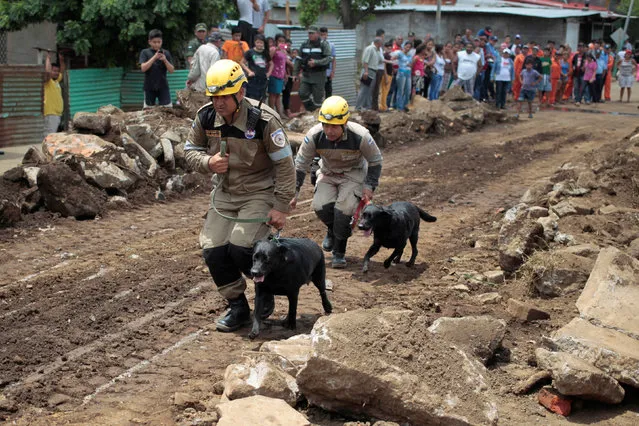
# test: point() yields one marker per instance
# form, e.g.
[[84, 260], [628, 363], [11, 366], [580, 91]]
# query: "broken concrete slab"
[[480, 336], [584, 250], [259, 410], [171, 136], [135, 150], [143, 135], [525, 311], [167, 153], [489, 298], [611, 351], [94, 123], [33, 157], [570, 188], [517, 240], [260, 378], [107, 175], [537, 193], [384, 356], [573, 376], [571, 208], [558, 273], [292, 353], [495, 277], [611, 295], [78, 144], [536, 212]]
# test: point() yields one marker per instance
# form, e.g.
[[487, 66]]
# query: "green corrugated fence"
[[92, 88], [132, 93]]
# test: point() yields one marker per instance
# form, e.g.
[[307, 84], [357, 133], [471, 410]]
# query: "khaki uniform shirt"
[[351, 156], [255, 164]]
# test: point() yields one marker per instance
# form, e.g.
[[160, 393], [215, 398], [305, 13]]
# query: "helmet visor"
[[230, 83], [331, 116]]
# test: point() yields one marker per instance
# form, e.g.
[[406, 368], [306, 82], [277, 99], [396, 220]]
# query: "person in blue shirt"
[[602, 69], [404, 61]]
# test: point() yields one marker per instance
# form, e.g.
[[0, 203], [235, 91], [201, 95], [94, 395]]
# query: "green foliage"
[[350, 12], [112, 32]]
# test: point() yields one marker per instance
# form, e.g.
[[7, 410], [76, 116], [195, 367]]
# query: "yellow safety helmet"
[[225, 77], [334, 110]]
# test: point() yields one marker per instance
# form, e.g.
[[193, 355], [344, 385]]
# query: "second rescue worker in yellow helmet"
[[257, 178], [350, 167]]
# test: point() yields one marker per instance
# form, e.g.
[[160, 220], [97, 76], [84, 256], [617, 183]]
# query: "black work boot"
[[327, 244], [339, 255], [269, 306], [238, 315]]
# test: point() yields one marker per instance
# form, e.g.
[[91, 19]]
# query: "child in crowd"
[[258, 67], [276, 82], [545, 87], [154, 63], [417, 72], [529, 79], [234, 49], [564, 66]]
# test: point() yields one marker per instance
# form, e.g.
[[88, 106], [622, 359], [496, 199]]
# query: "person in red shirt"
[[555, 75], [611, 64]]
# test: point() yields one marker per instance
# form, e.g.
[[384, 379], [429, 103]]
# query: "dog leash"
[[219, 185]]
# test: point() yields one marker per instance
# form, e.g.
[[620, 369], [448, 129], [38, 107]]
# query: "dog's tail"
[[425, 216]]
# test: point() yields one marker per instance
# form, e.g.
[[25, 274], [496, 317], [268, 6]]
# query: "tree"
[[113, 31], [350, 12]]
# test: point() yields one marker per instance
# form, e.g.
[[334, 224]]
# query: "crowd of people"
[[393, 72]]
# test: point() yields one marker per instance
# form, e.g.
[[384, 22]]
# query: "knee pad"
[[221, 265], [242, 258], [327, 214]]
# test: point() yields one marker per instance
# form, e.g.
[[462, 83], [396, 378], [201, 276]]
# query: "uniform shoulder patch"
[[279, 138]]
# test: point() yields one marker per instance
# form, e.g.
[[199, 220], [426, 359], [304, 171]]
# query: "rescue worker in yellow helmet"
[[350, 167], [256, 178]]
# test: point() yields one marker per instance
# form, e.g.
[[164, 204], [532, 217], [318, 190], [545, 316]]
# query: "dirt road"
[[101, 322]]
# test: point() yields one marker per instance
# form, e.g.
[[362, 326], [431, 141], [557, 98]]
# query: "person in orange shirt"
[[234, 49], [569, 84], [519, 65], [555, 75], [611, 64]]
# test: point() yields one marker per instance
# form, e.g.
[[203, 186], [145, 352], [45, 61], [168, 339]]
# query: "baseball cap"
[[411, 34], [506, 51], [494, 38], [607, 46], [200, 27], [215, 37], [518, 36], [535, 47], [525, 46], [313, 29]]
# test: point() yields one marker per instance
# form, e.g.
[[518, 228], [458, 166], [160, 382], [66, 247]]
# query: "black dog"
[[392, 226], [281, 267]]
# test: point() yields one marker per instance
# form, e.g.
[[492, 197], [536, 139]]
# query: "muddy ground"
[[102, 321]]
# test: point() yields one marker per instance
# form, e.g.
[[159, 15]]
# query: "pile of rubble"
[[454, 113], [108, 160]]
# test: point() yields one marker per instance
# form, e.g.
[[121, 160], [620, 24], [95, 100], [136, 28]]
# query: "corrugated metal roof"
[[536, 12], [345, 42], [132, 91], [91, 88], [21, 99]]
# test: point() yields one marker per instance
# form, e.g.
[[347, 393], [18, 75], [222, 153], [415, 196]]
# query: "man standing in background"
[[381, 70], [205, 56], [260, 17], [315, 55], [53, 103], [370, 62], [194, 43], [245, 22], [330, 72]]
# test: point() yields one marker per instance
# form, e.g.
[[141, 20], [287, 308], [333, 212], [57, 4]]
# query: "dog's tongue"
[[259, 279], [368, 232]]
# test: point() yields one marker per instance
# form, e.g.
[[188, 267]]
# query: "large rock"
[[136, 151], [633, 248], [525, 311], [143, 135], [109, 110], [558, 273], [537, 194], [479, 336], [571, 208], [65, 192], [171, 135], [108, 175], [94, 123], [610, 351], [292, 353], [382, 363], [34, 157], [585, 250], [517, 240], [611, 295], [456, 94], [550, 226], [259, 410], [574, 376], [78, 144], [472, 118], [570, 188], [167, 153], [260, 378], [10, 213]]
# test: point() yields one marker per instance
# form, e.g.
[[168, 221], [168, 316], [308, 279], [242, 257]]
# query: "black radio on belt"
[[252, 117]]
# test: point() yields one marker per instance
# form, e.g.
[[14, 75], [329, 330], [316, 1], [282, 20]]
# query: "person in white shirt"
[[502, 74], [468, 66], [260, 17], [381, 71], [245, 22], [205, 56], [370, 62]]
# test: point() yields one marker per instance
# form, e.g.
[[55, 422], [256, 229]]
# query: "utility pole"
[[438, 21], [625, 27]]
